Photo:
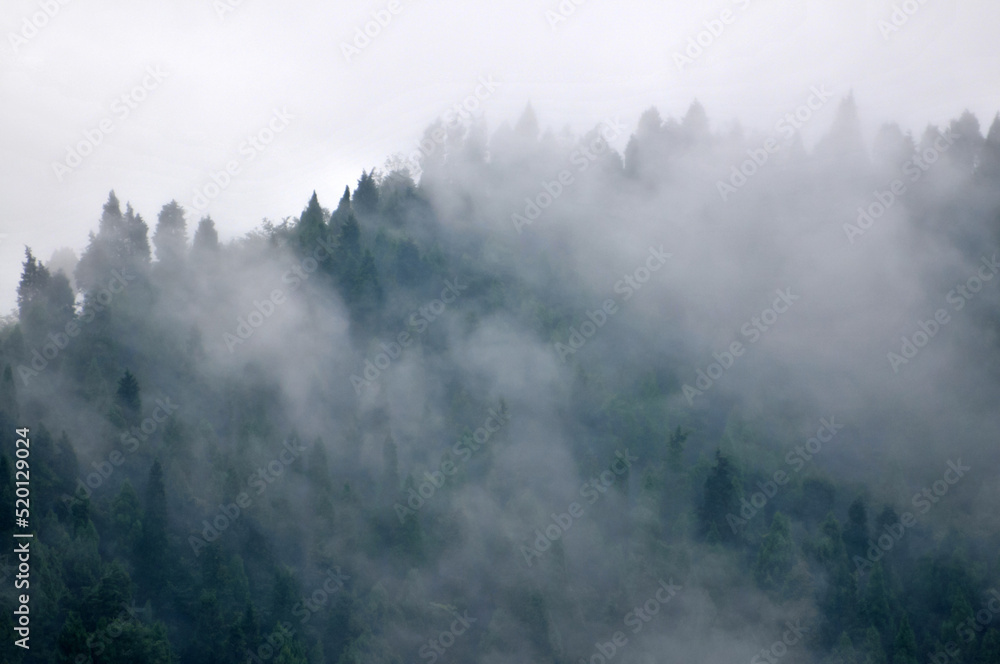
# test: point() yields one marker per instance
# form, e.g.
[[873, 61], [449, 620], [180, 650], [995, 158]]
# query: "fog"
[[781, 254]]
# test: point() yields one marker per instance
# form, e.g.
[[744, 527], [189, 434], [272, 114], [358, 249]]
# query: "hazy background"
[[228, 70]]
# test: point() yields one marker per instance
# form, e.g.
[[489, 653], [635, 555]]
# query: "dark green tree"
[[776, 556], [152, 555], [904, 649], [366, 194], [988, 651], [311, 227], [34, 282], [856, 531], [128, 399], [72, 641], [875, 606], [342, 213], [721, 502]]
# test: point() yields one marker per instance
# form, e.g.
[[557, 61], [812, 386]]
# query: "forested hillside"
[[714, 397]]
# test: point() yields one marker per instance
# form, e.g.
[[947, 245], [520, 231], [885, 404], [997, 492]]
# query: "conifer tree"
[[206, 239], [170, 238]]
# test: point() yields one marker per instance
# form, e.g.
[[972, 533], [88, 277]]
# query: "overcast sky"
[[222, 73]]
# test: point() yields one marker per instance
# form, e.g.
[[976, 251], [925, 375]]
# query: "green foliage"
[[366, 194], [311, 227], [127, 396], [776, 556], [721, 502], [99, 555]]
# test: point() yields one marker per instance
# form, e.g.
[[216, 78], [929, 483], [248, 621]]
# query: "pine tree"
[[136, 236], [206, 239], [342, 213], [34, 281], [856, 531], [723, 491], [875, 607], [127, 397], [126, 519], [904, 650], [366, 194], [72, 641], [989, 648], [311, 227], [776, 555], [152, 555], [45, 301], [170, 238]]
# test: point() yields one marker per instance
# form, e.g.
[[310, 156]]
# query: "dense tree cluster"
[[182, 514]]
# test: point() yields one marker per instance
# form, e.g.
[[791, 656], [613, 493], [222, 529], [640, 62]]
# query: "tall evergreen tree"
[[34, 282], [170, 238], [206, 239], [311, 227], [366, 193], [776, 555], [904, 649], [723, 491], [137, 236], [343, 211], [856, 531], [152, 555]]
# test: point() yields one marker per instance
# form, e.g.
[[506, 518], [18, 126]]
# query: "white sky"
[[225, 77]]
